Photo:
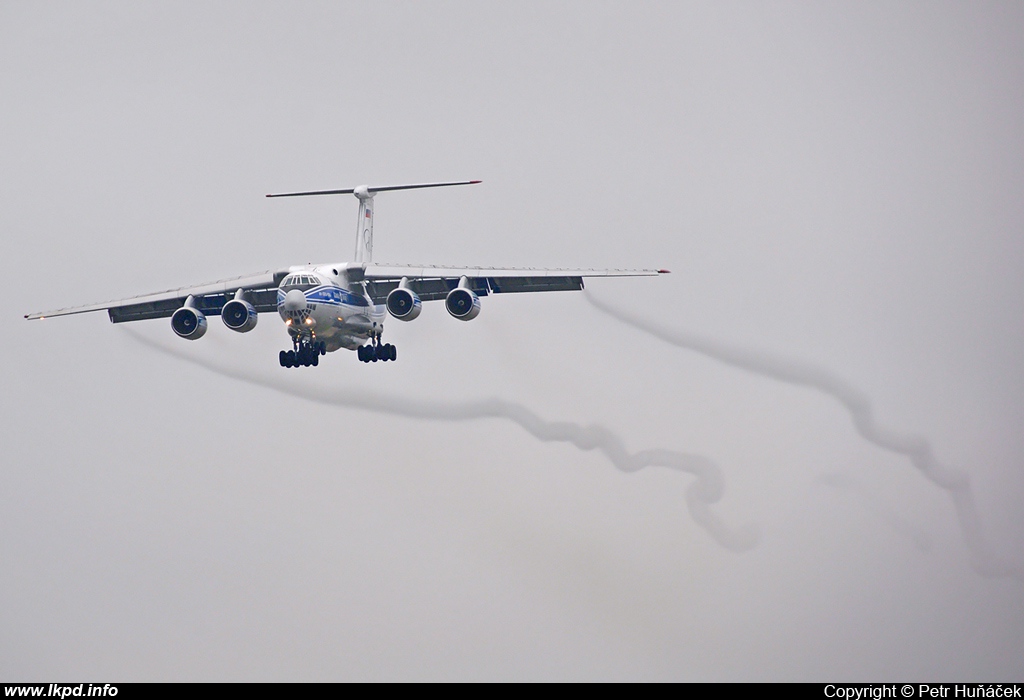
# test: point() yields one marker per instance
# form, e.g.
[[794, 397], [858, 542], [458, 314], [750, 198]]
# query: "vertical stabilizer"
[[364, 227]]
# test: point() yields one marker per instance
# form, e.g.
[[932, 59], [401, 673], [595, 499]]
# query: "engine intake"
[[463, 304], [404, 304], [189, 323], [239, 315]]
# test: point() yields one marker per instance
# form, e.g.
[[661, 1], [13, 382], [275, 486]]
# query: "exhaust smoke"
[[915, 448], [708, 488]]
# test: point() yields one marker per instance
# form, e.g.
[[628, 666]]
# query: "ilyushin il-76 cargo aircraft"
[[339, 305]]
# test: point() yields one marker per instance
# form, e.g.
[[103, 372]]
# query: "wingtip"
[[664, 272], [475, 182]]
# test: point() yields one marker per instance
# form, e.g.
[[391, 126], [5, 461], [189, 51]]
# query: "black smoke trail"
[[915, 448], [700, 495]]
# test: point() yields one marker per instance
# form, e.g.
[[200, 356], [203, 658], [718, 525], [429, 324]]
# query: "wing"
[[210, 298], [431, 283]]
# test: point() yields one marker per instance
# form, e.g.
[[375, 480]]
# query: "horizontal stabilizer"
[[374, 190]]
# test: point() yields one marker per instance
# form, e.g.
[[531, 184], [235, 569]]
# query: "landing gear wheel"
[[315, 360], [377, 353], [283, 358]]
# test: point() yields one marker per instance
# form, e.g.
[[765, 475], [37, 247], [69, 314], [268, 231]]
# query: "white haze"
[[833, 186]]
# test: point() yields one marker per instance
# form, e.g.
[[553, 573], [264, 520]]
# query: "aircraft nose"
[[294, 300]]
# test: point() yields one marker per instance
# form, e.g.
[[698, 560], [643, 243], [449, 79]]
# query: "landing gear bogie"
[[377, 352], [306, 354]]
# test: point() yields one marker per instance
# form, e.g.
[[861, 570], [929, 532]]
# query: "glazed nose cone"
[[294, 300]]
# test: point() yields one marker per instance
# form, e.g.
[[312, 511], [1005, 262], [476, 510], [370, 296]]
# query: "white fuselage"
[[320, 303]]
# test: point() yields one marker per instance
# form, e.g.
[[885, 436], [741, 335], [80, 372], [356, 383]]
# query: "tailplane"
[[364, 226]]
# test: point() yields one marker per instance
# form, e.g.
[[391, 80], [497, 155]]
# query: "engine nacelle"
[[189, 323], [404, 304], [239, 315], [463, 304]]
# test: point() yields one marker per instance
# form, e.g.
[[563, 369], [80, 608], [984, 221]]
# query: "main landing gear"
[[306, 353], [372, 353]]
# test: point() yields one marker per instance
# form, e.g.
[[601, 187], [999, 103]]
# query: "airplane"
[[333, 306]]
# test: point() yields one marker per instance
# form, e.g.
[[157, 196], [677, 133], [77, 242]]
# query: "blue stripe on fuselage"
[[328, 295]]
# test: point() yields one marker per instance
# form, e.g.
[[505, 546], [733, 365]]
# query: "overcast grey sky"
[[838, 185]]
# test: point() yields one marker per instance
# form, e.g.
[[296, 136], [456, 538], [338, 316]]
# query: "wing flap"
[[505, 285]]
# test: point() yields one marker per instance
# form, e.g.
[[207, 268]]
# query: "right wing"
[[210, 298], [432, 283]]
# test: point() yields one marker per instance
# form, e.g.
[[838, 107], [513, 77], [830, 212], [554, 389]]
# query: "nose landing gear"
[[307, 353]]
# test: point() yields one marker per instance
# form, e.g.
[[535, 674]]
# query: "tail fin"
[[364, 226]]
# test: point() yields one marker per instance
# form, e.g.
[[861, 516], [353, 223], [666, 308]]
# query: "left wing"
[[261, 292], [432, 283]]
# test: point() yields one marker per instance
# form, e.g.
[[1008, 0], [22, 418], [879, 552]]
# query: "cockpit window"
[[302, 282]]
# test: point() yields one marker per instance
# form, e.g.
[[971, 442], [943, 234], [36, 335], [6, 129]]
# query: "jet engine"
[[189, 323], [239, 315], [463, 304], [404, 304]]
